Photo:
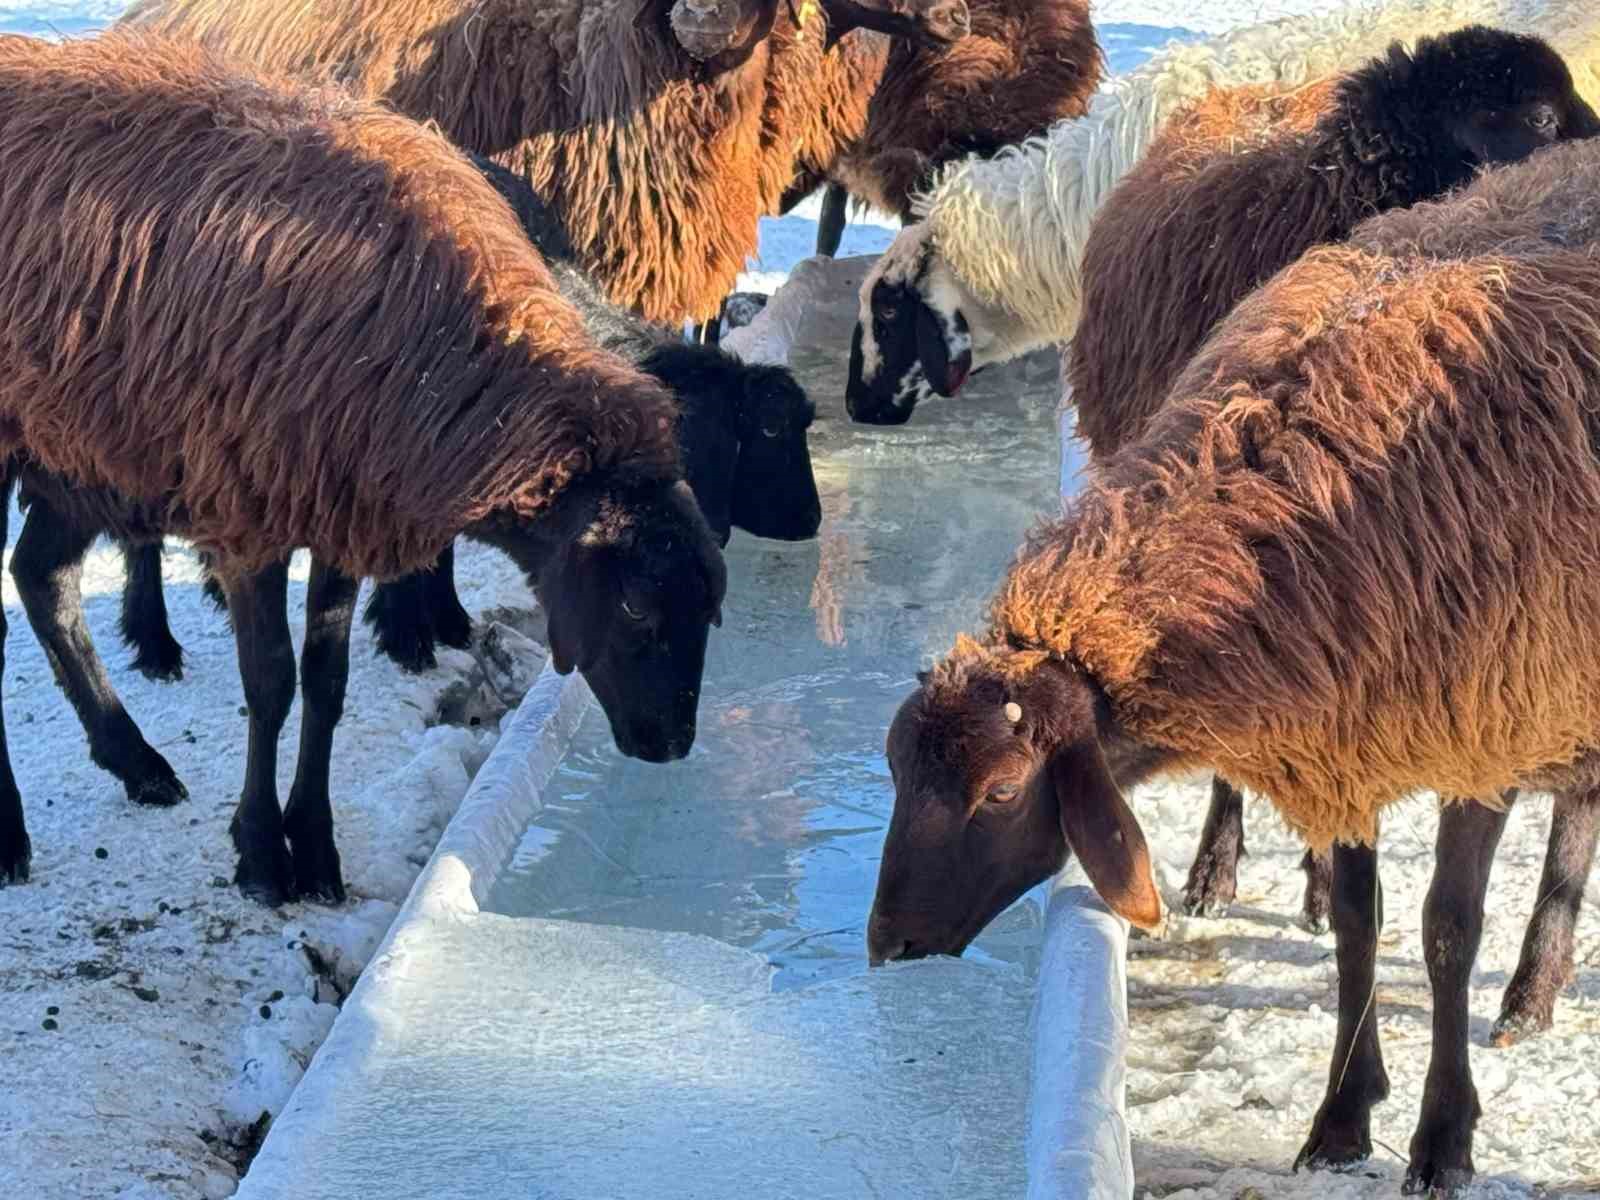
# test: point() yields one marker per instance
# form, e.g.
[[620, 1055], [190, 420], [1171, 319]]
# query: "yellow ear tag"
[[807, 7]]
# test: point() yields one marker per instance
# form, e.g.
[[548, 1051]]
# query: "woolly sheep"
[[265, 318], [993, 268], [1350, 561]]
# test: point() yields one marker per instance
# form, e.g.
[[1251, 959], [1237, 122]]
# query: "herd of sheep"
[[363, 278]]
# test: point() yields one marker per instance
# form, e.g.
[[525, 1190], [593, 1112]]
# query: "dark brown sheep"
[[896, 112], [659, 165], [1237, 187], [1307, 572], [266, 318], [742, 432]]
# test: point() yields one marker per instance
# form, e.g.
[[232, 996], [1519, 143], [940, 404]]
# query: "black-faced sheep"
[[993, 267], [1351, 560], [741, 431], [266, 318]]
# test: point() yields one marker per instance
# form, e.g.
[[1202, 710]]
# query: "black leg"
[[324, 671], [1214, 876], [1452, 927], [831, 223], [145, 628], [1545, 968], [1319, 891], [15, 850], [400, 615], [47, 565], [1341, 1135], [259, 606], [452, 625]]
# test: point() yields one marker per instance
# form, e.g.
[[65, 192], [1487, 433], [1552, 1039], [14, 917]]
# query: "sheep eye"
[[771, 433], [1542, 118], [888, 312], [1004, 794], [630, 612]]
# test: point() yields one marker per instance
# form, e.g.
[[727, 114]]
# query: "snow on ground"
[[1233, 1024], [148, 1014]]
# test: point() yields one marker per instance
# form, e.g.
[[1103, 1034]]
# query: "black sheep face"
[[774, 487], [631, 601], [1499, 96]]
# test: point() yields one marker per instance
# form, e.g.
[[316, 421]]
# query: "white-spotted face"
[[911, 339]]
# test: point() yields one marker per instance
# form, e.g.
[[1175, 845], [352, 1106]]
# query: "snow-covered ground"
[[148, 1015]]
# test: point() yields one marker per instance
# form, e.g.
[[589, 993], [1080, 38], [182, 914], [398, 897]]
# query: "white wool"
[[1011, 229]]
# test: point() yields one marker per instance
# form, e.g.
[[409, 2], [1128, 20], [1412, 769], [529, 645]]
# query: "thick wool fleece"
[[1354, 558], [1012, 229], [278, 317]]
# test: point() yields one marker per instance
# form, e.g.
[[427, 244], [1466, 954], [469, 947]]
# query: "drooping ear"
[[1103, 832], [945, 375], [578, 605]]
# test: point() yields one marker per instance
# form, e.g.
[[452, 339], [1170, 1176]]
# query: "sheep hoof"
[[270, 883], [1518, 1024], [316, 872], [1335, 1146], [412, 652], [161, 788], [1211, 888], [159, 658], [15, 857], [1437, 1183]]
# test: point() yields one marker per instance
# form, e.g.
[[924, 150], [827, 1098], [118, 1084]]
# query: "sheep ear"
[[944, 375], [1102, 831], [575, 603]]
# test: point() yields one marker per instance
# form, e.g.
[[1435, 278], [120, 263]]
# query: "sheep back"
[[1353, 559], [283, 317], [658, 166]]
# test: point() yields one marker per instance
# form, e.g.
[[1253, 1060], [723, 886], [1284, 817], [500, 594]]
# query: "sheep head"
[[709, 29], [1000, 773]]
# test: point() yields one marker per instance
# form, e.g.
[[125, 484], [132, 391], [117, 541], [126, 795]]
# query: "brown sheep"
[[265, 318], [1238, 186], [660, 166], [898, 111], [1350, 560]]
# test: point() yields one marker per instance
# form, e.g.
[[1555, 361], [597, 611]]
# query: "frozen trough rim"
[[1077, 1144]]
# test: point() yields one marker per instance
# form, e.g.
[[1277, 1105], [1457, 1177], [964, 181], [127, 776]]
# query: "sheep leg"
[[15, 850], [830, 225], [1214, 875], [402, 623], [324, 671], [1546, 964], [1341, 1135], [259, 605], [145, 628], [452, 624], [1319, 891], [1452, 927], [48, 566], [211, 586]]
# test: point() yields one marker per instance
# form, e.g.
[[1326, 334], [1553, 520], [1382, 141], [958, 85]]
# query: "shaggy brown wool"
[[1312, 551], [267, 319], [1354, 559], [1026, 65], [1242, 183], [658, 165]]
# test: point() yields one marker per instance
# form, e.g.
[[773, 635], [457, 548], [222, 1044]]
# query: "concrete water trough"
[[616, 980]]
